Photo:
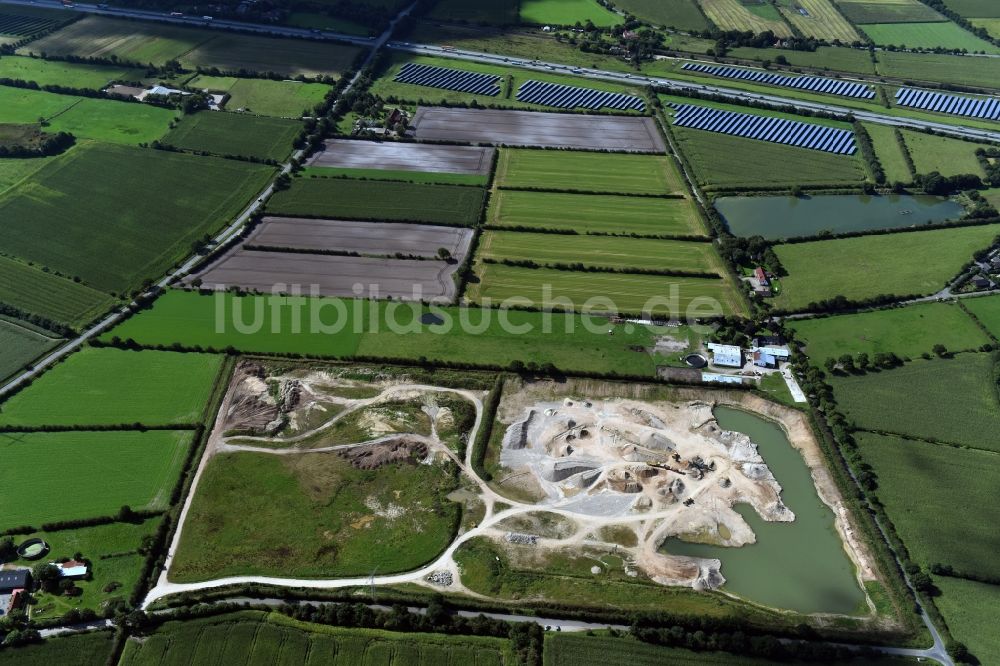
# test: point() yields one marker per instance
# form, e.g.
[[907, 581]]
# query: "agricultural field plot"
[[398, 202], [290, 57], [819, 19], [251, 637], [990, 25], [491, 12], [618, 253], [51, 476], [162, 203], [681, 14], [711, 156], [23, 21], [281, 99], [527, 128], [969, 608], [980, 73], [823, 58], [116, 565], [345, 154], [597, 213], [566, 12], [948, 482], [96, 387], [20, 345], [951, 400], [927, 36], [912, 263], [35, 292], [332, 520], [423, 177], [734, 15], [888, 11], [73, 650], [947, 156], [383, 239], [111, 121], [889, 152], [654, 295], [13, 170], [330, 275], [974, 8], [235, 134], [907, 332], [20, 106], [328, 22], [588, 172], [987, 311], [70, 74]]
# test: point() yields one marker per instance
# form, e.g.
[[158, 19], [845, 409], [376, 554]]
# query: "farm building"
[[713, 378], [729, 356], [780, 353], [71, 569], [14, 579], [764, 360], [761, 276]]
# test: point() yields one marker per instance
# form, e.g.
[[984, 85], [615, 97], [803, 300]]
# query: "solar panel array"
[[812, 83], [766, 128], [570, 97], [449, 79], [987, 108]]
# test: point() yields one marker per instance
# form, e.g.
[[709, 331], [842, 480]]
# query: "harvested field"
[[733, 15], [887, 11], [529, 128], [820, 19], [404, 157], [370, 238], [407, 279]]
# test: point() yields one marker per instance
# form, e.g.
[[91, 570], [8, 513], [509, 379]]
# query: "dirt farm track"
[[404, 157], [529, 128]]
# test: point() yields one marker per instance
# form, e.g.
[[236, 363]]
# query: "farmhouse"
[[13, 583], [71, 569], [764, 360], [729, 356]]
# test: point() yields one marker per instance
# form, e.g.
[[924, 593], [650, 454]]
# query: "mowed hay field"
[[135, 212], [601, 251], [906, 332], [970, 609], [583, 213], [987, 311], [911, 263], [952, 400], [31, 290], [890, 154], [981, 72], [235, 134], [566, 12], [682, 14], [588, 172], [251, 637], [312, 515], [74, 75], [86, 649], [928, 491], [281, 99], [734, 15], [762, 164], [822, 20], [617, 292], [344, 199], [111, 386], [927, 36], [19, 345], [888, 11], [947, 156], [50, 476]]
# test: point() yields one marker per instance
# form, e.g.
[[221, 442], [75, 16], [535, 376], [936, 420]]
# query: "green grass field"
[[990, 25], [251, 637], [588, 172], [20, 105], [947, 156], [493, 12], [970, 608], [975, 8], [682, 14], [352, 200], [291, 57], [951, 400], [711, 157], [890, 154], [117, 566], [927, 490], [235, 134], [887, 11], [824, 57], [424, 177], [987, 311], [907, 332], [36, 292], [135, 212], [13, 170], [20, 345], [111, 121], [566, 12], [585, 213], [927, 36], [667, 296], [308, 518], [74, 75], [282, 99], [919, 262], [113, 386], [79, 650], [468, 334], [72, 475], [981, 72], [618, 253]]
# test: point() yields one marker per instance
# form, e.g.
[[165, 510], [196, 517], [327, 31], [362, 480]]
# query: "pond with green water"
[[799, 566]]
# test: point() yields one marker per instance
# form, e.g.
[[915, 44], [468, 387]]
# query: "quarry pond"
[[789, 217], [801, 565]]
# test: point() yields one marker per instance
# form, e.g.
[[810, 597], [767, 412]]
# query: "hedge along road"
[[220, 239]]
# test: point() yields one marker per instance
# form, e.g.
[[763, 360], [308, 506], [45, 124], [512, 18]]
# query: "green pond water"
[[788, 217], [799, 566]]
